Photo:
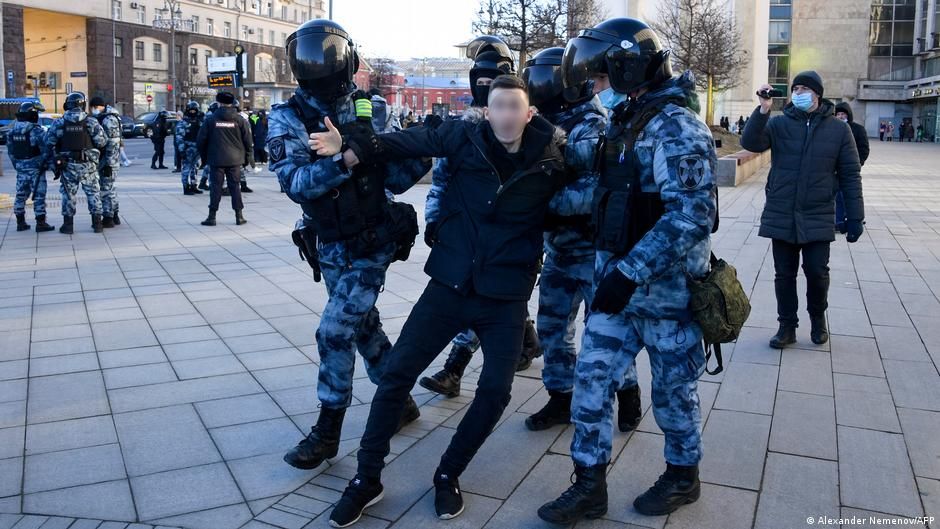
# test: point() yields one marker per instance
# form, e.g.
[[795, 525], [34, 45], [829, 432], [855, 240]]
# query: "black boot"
[[107, 221], [786, 335], [556, 411], [194, 189], [245, 188], [587, 498], [188, 189], [66, 227], [677, 486], [203, 184], [531, 348], [409, 414], [239, 219], [210, 220], [96, 223], [818, 332], [447, 381], [41, 224], [629, 411], [116, 218], [321, 443], [21, 222]]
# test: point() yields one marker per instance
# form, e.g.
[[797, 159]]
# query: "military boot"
[[66, 227], [203, 183], [210, 220], [447, 381], [245, 188], [676, 487], [116, 218], [531, 348], [239, 219], [818, 332], [194, 189], [629, 411], [409, 414], [41, 224], [786, 335], [21, 222], [586, 498], [107, 221], [96, 223], [188, 189], [556, 411], [321, 443]]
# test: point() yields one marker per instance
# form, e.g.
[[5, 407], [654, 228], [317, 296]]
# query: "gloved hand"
[[613, 293], [364, 142], [363, 105], [106, 171], [433, 121], [854, 230], [430, 229]]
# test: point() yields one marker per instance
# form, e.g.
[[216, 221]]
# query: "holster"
[[306, 241]]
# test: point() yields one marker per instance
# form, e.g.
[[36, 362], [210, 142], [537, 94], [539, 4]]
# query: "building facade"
[[120, 50]]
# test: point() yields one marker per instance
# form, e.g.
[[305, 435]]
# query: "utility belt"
[[581, 224], [398, 224]]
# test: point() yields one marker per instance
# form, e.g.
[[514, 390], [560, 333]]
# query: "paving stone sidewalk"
[[154, 376]]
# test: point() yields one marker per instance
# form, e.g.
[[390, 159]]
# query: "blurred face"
[[842, 115], [601, 83], [508, 112]]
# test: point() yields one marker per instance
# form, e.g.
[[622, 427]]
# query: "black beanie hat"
[[809, 79], [96, 101], [226, 98]]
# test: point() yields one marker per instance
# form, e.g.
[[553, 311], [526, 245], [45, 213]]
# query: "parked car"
[[146, 121], [131, 128]]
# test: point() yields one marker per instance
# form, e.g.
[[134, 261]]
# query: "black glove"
[[613, 293], [854, 230], [364, 142], [433, 121], [430, 229], [106, 171]]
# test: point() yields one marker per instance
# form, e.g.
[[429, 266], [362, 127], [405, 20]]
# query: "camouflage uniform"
[[30, 172], [77, 172], [350, 320], [110, 122], [676, 158], [567, 276], [188, 150]]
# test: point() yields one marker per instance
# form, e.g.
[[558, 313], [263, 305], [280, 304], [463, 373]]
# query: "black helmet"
[[213, 106], [542, 76], [488, 43], [192, 108], [74, 100], [164, 114], [626, 49], [29, 111], [487, 64], [323, 58]]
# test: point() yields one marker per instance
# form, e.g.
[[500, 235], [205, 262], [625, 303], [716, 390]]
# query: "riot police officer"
[[25, 147], [159, 129], [204, 180], [110, 161], [187, 131], [660, 159], [353, 231], [74, 144]]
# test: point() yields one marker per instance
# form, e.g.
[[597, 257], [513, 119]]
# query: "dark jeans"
[[816, 269], [438, 315], [158, 150], [840, 211], [222, 175]]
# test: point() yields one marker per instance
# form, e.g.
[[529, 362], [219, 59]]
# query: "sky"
[[402, 29]]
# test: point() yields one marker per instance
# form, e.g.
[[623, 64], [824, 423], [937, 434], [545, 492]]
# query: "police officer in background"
[[159, 129], [74, 144], [225, 143], [25, 148], [204, 180], [187, 130], [660, 159], [353, 230], [110, 161]]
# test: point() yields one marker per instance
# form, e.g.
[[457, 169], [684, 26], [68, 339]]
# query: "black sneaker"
[[448, 501], [360, 494]]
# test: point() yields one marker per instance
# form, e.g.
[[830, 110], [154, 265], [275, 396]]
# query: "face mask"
[[611, 98], [802, 101], [846, 120], [95, 112]]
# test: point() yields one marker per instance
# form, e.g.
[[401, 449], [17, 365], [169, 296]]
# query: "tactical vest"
[[75, 137], [356, 208], [622, 212], [20, 146], [193, 131]]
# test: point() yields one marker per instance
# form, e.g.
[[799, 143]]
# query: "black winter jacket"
[[225, 139], [858, 131]]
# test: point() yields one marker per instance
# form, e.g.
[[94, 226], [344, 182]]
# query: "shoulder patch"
[[277, 149], [689, 169]]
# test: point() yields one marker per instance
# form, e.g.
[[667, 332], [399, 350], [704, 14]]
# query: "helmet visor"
[[583, 59], [316, 56], [543, 83]]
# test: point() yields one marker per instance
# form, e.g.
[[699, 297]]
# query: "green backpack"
[[720, 307]]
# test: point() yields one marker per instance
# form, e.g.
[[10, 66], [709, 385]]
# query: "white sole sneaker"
[[451, 516], [370, 504]]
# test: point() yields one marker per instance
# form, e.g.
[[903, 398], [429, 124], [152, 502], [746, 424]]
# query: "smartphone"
[[770, 94]]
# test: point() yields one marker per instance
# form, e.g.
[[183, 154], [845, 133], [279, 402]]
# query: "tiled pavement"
[[155, 376]]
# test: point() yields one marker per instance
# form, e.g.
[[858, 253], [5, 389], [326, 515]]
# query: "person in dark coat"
[[226, 145], [813, 155], [160, 130], [259, 131], [844, 112]]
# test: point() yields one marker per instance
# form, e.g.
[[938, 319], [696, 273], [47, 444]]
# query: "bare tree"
[[704, 38], [383, 73]]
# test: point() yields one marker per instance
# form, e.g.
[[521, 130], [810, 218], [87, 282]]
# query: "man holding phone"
[[814, 155]]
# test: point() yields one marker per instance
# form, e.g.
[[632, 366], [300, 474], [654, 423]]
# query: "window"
[[208, 56], [779, 32], [157, 52], [303, 15], [284, 12], [195, 24], [116, 9], [210, 26], [178, 56], [778, 48], [260, 32], [142, 15], [138, 50], [244, 34], [891, 41], [227, 32], [118, 47], [193, 57], [271, 38], [295, 14]]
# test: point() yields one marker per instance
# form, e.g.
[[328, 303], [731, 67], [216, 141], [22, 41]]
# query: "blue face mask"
[[802, 101], [611, 98]]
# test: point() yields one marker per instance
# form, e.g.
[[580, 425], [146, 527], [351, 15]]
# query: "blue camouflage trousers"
[[190, 165], [349, 322], [565, 283], [677, 360], [30, 182], [86, 176], [109, 199]]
